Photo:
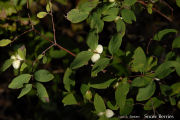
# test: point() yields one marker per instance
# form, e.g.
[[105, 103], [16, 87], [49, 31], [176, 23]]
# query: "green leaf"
[[22, 52], [6, 65], [111, 11], [146, 92], [43, 76], [4, 42], [88, 6], [151, 62], [111, 106], [129, 2], [44, 60], [23, 66], [42, 14], [175, 88], [121, 93], [76, 16], [96, 22], [25, 90], [69, 99], [153, 103], [158, 36], [139, 60], [172, 100], [178, 3], [49, 6], [128, 16], [165, 89], [99, 66], [92, 39], [84, 88], [18, 81], [103, 85], [56, 54], [81, 59], [110, 14], [149, 8], [67, 81], [99, 104], [128, 107], [166, 68], [42, 92], [120, 26], [109, 18], [176, 43], [115, 43], [141, 81]]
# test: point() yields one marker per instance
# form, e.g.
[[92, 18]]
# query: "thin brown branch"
[[53, 25], [155, 10], [165, 3], [62, 48], [147, 49], [32, 26], [140, 75], [59, 46], [46, 38], [44, 52], [27, 31]]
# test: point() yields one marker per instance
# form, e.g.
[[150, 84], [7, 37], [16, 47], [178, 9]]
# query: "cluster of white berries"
[[97, 52], [16, 61], [108, 113]]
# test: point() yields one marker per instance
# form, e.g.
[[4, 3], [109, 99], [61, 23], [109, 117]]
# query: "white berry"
[[111, 0], [99, 49], [95, 57], [157, 79], [109, 113], [13, 57], [16, 64], [100, 113]]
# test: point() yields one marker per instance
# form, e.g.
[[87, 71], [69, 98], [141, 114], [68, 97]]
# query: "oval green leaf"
[[43, 76], [4, 42]]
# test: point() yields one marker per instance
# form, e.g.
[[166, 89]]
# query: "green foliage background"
[[137, 73]]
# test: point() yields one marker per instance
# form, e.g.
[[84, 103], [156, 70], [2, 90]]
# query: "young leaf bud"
[[89, 95]]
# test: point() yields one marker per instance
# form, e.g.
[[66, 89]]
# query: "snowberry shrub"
[[130, 75]]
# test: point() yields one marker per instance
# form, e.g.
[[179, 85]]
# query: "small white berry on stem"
[[99, 49], [95, 57], [111, 0], [109, 113], [16, 64]]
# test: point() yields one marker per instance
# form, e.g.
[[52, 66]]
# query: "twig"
[[154, 111], [53, 25], [44, 52], [140, 75], [154, 9], [165, 3], [147, 49], [32, 26], [59, 46], [27, 31]]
